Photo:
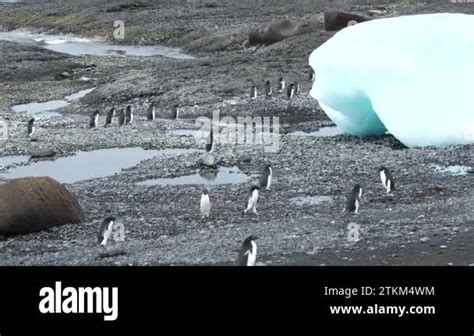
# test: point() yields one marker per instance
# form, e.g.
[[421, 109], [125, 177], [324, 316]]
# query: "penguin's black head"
[[267, 82], [204, 191], [96, 112], [281, 79], [110, 219], [31, 121], [129, 108], [357, 188], [268, 166], [254, 188], [382, 168], [250, 238]]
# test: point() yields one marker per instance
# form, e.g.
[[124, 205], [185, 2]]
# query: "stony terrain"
[[429, 220]]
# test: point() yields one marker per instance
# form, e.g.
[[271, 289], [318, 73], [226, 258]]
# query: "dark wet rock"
[[36, 203], [334, 21], [42, 153], [278, 29]]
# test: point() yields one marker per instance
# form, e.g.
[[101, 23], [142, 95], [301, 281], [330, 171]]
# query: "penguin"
[[151, 113], [252, 200], [129, 114], [109, 117], [122, 117], [281, 85], [297, 87], [290, 91], [176, 111], [253, 92], [105, 230], [387, 179], [353, 199], [94, 119], [268, 89], [266, 178], [248, 252], [312, 75], [205, 204], [31, 127], [210, 141]]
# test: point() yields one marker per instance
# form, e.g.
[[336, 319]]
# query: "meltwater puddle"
[[455, 170], [310, 200], [82, 46], [85, 165], [46, 109], [224, 175], [326, 131]]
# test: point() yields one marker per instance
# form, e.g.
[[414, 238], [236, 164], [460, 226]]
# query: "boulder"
[[334, 21], [278, 29], [208, 160], [33, 204]]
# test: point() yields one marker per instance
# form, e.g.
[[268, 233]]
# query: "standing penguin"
[[122, 117], [205, 204], [312, 75], [248, 252], [105, 230], [387, 179], [94, 119], [176, 112], [266, 178], [297, 87], [281, 85], [210, 141], [291, 91], [353, 199], [151, 112], [268, 89], [129, 114], [109, 117], [253, 92], [31, 127], [252, 200]]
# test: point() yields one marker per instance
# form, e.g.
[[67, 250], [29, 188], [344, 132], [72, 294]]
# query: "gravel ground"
[[429, 219]]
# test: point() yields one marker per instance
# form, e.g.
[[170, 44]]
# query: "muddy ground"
[[428, 221]]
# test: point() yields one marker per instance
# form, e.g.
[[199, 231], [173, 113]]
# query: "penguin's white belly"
[[107, 233], [269, 181], [252, 257], [205, 206], [252, 204], [383, 178]]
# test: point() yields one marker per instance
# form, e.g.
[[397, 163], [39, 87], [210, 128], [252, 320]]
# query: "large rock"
[[33, 204], [334, 21], [277, 30], [208, 160]]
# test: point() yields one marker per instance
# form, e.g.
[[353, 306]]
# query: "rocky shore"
[[429, 220]]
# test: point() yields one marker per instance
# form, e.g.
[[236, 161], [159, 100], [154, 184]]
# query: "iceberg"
[[412, 76]]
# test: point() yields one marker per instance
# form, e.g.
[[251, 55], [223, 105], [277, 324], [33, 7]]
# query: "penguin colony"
[[248, 251]]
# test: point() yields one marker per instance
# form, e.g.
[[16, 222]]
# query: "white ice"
[[410, 75]]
